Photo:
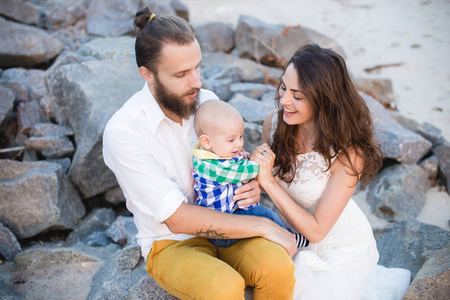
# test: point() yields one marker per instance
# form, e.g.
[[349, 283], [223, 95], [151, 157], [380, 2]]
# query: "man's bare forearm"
[[208, 223]]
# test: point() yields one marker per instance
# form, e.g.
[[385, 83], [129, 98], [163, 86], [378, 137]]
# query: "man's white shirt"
[[151, 158]]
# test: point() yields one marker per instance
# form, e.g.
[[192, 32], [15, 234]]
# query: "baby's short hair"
[[212, 112]]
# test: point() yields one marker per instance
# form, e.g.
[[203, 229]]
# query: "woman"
[[321, 146]]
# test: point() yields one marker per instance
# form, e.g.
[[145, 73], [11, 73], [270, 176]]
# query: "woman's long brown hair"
[[342, 118]]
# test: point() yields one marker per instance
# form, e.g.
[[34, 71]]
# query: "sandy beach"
[[405, 41]]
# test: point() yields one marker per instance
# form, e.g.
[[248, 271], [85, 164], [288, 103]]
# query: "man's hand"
[[248, 194]]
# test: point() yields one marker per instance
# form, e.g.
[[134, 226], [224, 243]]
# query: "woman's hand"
[[265, 158], [281, 236]]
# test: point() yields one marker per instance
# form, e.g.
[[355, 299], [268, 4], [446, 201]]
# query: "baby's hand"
[[245, 154]]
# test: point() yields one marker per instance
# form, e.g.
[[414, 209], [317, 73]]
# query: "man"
[[147, 146]]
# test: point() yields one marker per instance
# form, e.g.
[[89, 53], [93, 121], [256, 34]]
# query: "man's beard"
[[175, 103]]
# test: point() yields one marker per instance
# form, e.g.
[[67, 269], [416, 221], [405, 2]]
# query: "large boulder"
[[90, 94], [6, 104], [24, 45], [409, 244], [433, 279], [111, 17], [109, 48], [20, 11], [397, 142], [442, 152], [215, 36], [37, 196], [252, 110], [250, 71], [9, 246], [400, 192], [32, 80], [275, 44]]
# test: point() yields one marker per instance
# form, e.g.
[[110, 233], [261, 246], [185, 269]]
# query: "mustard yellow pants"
[[196, 269]]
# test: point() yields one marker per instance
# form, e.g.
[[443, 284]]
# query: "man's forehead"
[[177, 58]]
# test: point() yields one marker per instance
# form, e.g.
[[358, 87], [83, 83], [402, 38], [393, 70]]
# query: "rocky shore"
[[67, 66]]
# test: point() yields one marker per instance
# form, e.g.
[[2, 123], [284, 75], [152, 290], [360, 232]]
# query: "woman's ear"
[[204, 141]]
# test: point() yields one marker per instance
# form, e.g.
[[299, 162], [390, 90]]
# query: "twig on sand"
[[12, 149], [368, 70]]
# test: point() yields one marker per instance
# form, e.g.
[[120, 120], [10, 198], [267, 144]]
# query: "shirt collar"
[[204, 154]]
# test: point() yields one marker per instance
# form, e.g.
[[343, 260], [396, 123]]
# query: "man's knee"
[[224, 285]]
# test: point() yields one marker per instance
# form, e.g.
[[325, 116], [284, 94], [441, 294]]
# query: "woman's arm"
[[339, 189]]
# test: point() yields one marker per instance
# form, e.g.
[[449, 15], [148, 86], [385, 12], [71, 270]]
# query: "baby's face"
[[227, 140]]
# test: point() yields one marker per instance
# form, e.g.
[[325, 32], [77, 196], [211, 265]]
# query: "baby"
[[220, 168]]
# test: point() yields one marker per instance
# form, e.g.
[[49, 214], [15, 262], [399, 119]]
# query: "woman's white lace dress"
[[338, 267]]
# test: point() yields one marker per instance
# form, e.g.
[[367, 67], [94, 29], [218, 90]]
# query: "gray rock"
[[442, 152], [181, 9], [29, 114], [43, 257], [109, 48], [426, 130], [269, 97], [97, 220], [19, 90], [6, 104], [9, 246], [20, 11], [400, 193], [115, 195], [62, 13], [252, 90], [129, 257], [396, 141], [123, 231], [51, 146], [48, 106], [252, 136], [37, 196], [433, 279], [54, 82], [97, 239], [7, 290], [409, 244], [215, 36], [63, 162], [162, 7], [33, 80], [111, 17], [147, 288], [216, 72], [250, 70], [430, 165], [113, 281], [253, 111], [381, 88], [221, 87], [24, 45], [43, 129], [91, 92], [275, 44]]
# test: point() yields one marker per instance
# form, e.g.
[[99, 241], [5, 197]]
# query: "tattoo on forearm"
[[211, 234]]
